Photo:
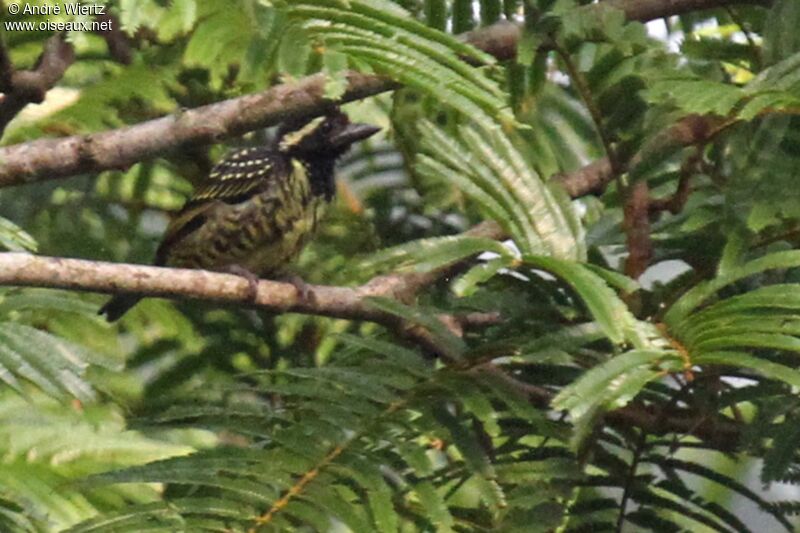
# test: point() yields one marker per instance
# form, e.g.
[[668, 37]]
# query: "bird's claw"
[[305, 293], [252, 279]]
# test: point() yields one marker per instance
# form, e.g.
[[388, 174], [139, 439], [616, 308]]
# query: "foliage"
[[598, 402]]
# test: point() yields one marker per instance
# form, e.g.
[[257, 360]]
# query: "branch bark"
[[118, 149], [21, 269], [119, 45], [636, 224]]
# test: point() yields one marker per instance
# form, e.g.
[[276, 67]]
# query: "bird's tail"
[[118, 306]]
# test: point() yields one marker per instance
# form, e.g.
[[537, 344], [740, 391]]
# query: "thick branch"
[[22, 269], [19, 269], [118, 149]]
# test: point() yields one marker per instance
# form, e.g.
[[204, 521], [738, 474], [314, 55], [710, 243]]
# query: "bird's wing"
[[185, 222], [237, 177]]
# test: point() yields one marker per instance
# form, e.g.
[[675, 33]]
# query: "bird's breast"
[[262, 234]]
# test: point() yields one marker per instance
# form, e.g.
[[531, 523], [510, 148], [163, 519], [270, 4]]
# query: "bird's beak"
[[353, 133]]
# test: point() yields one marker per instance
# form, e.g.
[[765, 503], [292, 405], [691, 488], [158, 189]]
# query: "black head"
[[328, 136]]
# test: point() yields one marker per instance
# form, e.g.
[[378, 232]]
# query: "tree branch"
[[29, 86], [644, 10], [119, 45], [689, 131], [23, 269], [6, 68], [636, 224], [118, 149]]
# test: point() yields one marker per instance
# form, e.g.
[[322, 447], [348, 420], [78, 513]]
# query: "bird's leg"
[[304, 291], [252, 279]]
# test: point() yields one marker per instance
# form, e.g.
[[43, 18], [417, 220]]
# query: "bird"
[[259, 206]]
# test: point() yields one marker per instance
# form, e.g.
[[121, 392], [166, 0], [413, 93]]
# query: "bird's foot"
[[252, 279], [305, 293]]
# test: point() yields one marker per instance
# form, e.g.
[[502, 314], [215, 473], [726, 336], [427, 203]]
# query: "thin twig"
[[631, 478], [119, 45], [754, 48], [582, 87], [674, 204]]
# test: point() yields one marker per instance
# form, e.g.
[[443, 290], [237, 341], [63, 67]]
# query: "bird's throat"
[[321, 176]]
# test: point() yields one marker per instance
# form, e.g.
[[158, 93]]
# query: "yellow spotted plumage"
[[259, 206]]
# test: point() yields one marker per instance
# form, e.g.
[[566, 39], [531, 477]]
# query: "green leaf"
[[743, 360], [780, 37], [468, 283], [615, 279], [747, 339], [294, 52], [454, 345], [485, 164], [157, 516], [15, 239], [781, 454], [567, 339], [56, 366], [605, 306], [352, 515], [694, 95], [395, 44], [771, 297], [696, 296], [726, 481], [425, 255], [178, 19], [335, 66], [379, 494], [409, 360], [434, 506], [465, 440], [44, 300], [582, 395], [760, 321]]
